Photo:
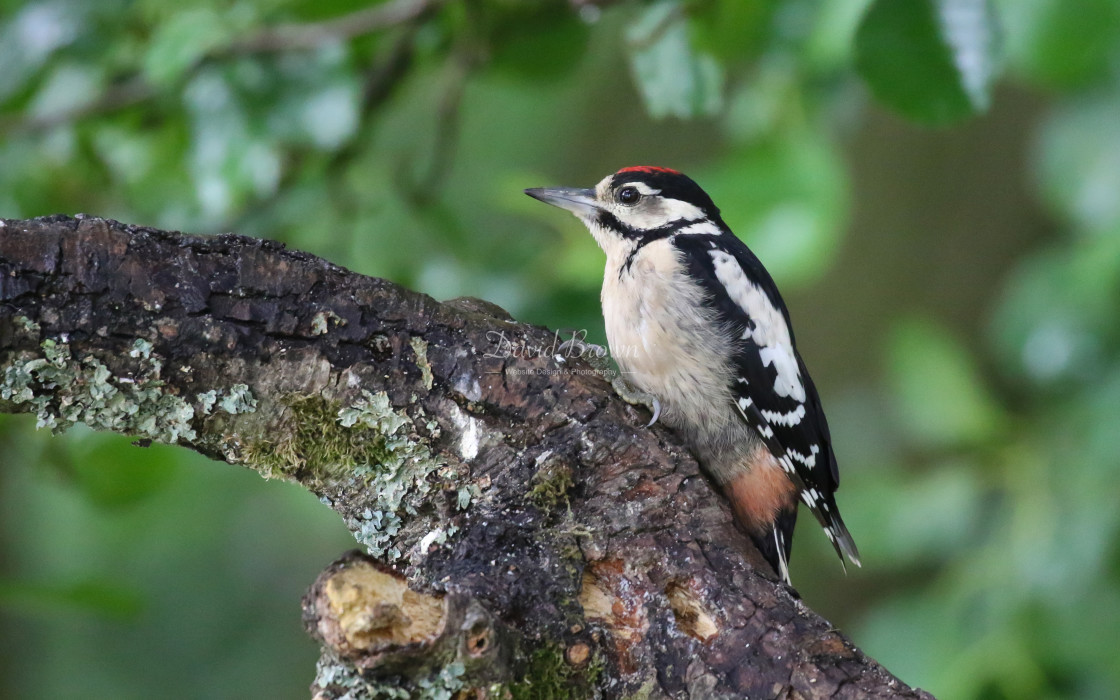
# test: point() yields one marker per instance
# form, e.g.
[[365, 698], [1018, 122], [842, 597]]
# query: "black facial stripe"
[[643, 237], [609, 220]]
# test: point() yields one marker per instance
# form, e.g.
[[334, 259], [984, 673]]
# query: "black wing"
[[772, 390]]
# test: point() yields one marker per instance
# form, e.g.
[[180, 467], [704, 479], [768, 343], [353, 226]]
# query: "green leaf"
[[30, 37], [673, 78], [1058, 309], [229, 161], [1059, 43], [934, 61], [831, 40], [890, 632], [941, 398], [70, 86], [1079, 161], [538, 42], [733, 29], [181, 41]]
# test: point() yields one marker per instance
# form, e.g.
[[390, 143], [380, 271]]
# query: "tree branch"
[[287, 37], [526, 534]]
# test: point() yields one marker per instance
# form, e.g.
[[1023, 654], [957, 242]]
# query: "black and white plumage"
[[695, 321]]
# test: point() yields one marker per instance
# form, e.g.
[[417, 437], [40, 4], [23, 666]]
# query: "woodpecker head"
[[637, 205]]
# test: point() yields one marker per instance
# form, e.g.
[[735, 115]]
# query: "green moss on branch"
[[369, 446]]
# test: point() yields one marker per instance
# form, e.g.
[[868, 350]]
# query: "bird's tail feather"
[[776, 541]]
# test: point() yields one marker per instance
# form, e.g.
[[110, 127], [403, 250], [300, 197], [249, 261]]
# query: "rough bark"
[[527, 536]]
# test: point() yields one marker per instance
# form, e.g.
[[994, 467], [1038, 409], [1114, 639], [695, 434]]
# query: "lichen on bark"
[[63, 388], [366, 445]]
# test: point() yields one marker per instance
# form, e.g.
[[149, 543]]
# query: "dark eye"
[[629, 195]]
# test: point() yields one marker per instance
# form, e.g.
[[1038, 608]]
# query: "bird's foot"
[[636, 397]]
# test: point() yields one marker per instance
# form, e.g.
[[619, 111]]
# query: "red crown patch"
[[649, 169]]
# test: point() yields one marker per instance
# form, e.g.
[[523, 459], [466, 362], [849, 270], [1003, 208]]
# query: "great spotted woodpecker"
[[695, 321]]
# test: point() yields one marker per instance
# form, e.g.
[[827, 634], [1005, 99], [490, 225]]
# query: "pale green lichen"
[[420, 349], [320, 322], [548, 676], [464, 496], [206, 401], [399, 476], [373, 411], [62, 390], [141, 348], [366, 446], [238, 399], [26, 324], [443, 685]]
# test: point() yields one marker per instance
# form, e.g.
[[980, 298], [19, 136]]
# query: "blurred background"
[[935, 185]]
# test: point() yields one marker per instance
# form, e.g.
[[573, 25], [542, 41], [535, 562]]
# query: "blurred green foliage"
[[956, 292], [933, 60]]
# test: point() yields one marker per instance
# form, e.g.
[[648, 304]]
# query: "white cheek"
[[641, 218], [675, 209], [657, 213]]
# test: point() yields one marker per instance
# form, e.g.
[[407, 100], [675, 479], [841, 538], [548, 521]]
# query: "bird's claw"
[[636, 397]]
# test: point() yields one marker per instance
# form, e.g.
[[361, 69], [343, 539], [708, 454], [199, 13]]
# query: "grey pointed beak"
[[580, 202]]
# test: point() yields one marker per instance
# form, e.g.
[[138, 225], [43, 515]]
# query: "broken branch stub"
[[364, 613]]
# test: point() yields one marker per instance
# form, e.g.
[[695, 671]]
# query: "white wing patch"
[[788, 381], [787, 419], [700, 228], [809, 460], [770, 332]]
